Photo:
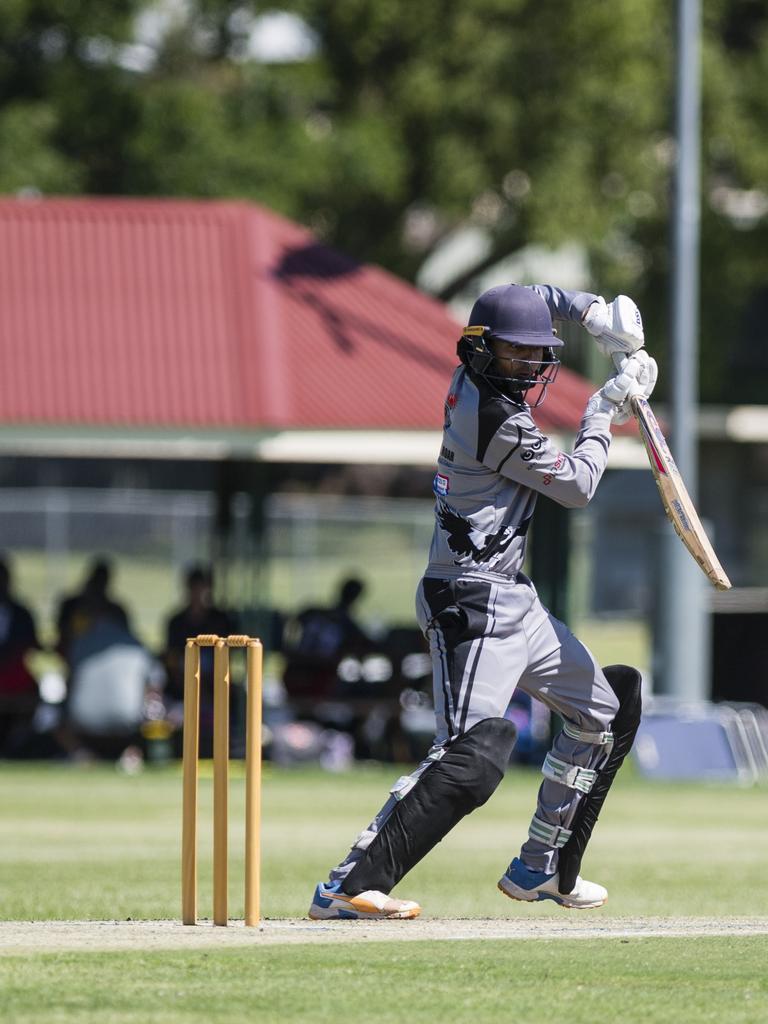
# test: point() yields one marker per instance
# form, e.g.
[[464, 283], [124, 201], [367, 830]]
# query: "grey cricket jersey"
[[493, 464]]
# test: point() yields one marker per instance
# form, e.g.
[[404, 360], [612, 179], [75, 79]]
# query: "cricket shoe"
[[329, 903], [520, 883]]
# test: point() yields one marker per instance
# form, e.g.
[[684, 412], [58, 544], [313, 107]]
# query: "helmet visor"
[[520, 369]]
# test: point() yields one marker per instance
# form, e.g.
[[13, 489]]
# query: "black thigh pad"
[[464, 778], [625, 683]]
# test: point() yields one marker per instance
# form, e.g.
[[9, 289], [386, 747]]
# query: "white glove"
[[637, 375], [616, 327]]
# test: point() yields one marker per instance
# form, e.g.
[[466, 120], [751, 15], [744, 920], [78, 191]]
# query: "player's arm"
[[520, 451], [563, 304], [616, 326]]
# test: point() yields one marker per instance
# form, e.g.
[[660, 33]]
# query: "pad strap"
[[551, 835], [599, 739], [405, 783], [571, 775]]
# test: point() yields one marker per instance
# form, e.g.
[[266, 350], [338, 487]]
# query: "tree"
[[536, 122], [66, 104], [531, 120]]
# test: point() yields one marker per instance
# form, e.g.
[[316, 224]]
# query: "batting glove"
[[637, 375], [617, 327]]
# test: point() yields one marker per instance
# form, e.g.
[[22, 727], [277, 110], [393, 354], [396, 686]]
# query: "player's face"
[[516, 360]]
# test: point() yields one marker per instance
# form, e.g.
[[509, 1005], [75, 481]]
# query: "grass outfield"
[[102, 845], [634, 982], [87, 843]]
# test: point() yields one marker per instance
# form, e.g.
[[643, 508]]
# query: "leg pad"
[[625, 683], [463, 779]]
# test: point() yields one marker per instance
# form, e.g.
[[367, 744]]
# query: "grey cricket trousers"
[[486, 639]]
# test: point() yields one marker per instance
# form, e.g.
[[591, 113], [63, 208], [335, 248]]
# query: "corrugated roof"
[[214, 315]]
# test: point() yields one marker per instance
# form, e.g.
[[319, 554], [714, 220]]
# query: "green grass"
[[640, 981], [150, 588], [88, 843], [617, 641], [389, 559], [103, 845]]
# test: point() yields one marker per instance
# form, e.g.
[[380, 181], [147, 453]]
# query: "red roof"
[[128, 312]]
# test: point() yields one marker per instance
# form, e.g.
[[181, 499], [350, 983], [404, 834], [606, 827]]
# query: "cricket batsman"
[[487, 629]]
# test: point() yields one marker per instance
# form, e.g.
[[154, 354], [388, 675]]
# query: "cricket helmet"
[[517, 316]]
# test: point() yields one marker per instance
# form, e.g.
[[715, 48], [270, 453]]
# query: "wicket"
[[221, 646]]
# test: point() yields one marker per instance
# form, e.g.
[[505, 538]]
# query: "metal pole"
[[684, 666]]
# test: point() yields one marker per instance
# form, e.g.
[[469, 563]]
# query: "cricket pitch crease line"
[[23, 937]]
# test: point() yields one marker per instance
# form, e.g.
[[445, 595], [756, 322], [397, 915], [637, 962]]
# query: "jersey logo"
[[441, 484], [533, 451], [450, 405], [556, 465], [465, 541]]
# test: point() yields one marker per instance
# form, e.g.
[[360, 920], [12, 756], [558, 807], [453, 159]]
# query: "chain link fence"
[[310, 544]]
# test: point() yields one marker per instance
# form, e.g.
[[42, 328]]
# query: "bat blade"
[[674, 495]]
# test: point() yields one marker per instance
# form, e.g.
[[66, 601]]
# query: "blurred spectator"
[[18, 688], [79, 612], [198, 615], [316, 641], [112, 681]]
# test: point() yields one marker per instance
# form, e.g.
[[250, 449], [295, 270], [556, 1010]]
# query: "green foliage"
[[538, 123], [27, 157]]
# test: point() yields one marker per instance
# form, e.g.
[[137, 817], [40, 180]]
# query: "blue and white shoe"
[[520, 883], [329, 903]]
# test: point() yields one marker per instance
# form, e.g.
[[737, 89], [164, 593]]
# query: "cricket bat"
[[674, 496]]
